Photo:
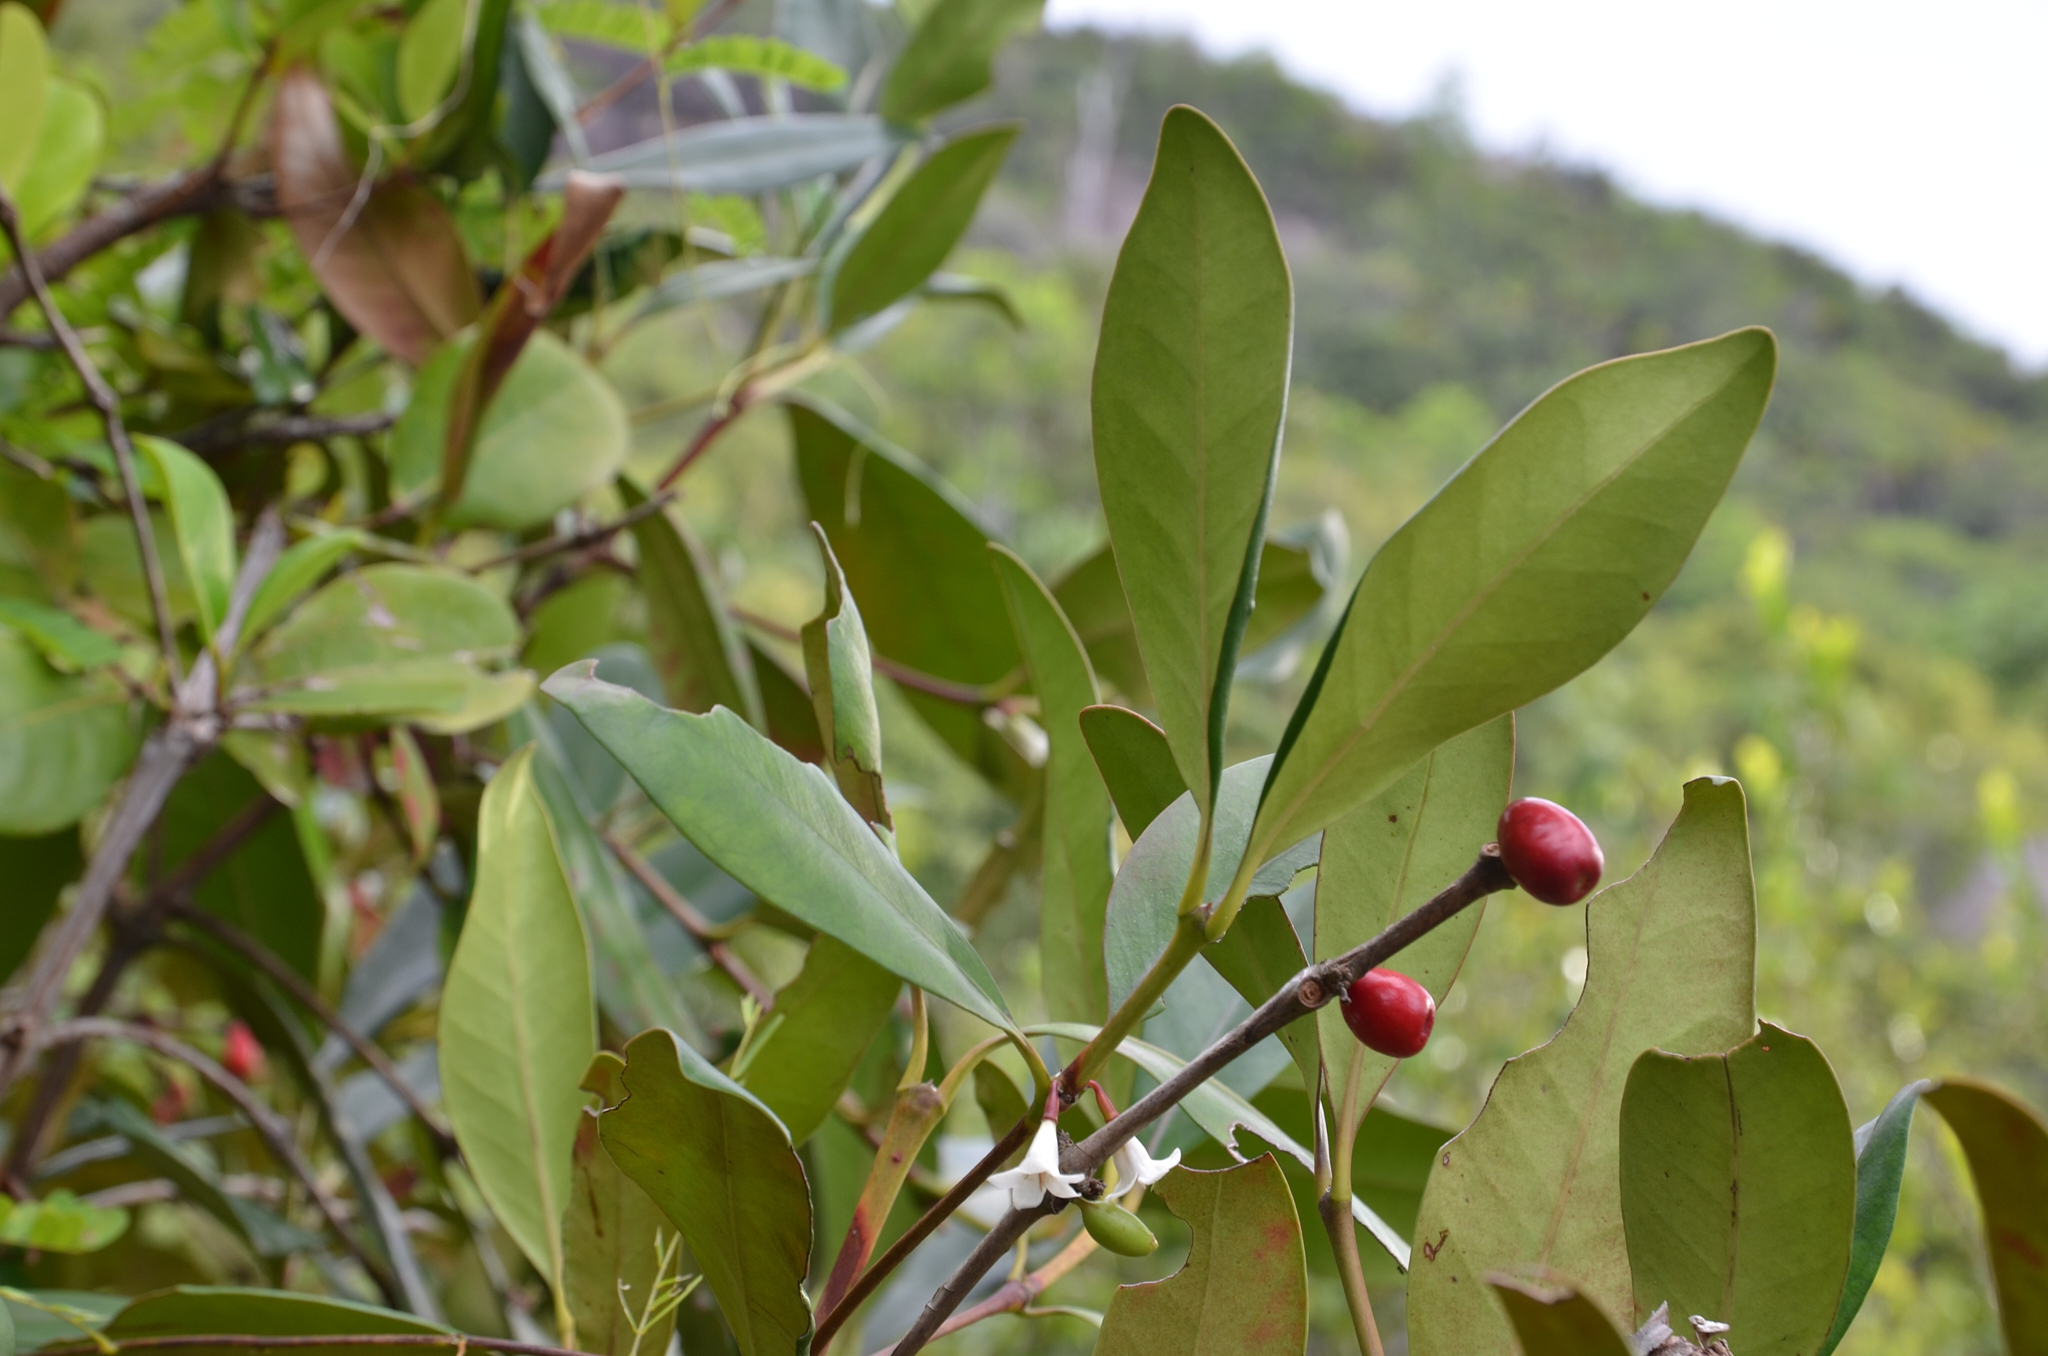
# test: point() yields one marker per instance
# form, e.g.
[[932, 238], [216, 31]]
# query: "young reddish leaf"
[[387, 255]]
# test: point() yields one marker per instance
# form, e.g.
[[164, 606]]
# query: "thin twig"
[[694, 923], [292, 982], [1014, 1296], [637, 75], [247, 428], [267, 1123], [582, 537], [109, 406], [706, 434], [1314, 987]]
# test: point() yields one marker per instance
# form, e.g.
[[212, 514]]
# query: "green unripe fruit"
[[1118, 1230]]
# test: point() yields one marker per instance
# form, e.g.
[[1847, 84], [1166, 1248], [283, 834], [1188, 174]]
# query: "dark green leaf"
[[188, 1310], [63, 740], [517, 1029], [1535, 1179], [919, 225], [1136, 763], [786, 705], [1002, 1104], [700, 654], [1880, 1168], [1189, 392], [746, 155], [1556, 1320], [265, 886], [1548, 547], [1077, 870], [781, 829], [840, 670], [608, 1242], [801, 1056], [1245, 1285], [951, 54], [721, 1166], [2006, 1143], [36, 871], [1738, 1188]]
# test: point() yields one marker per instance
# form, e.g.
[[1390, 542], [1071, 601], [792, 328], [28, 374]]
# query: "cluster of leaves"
[[280, 774]]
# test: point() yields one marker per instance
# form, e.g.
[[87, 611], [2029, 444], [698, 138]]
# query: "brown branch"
[[254, 1341], [1015, 1295], [1314, 987], [267, 1123], [582, 537], [293, 983], [700, 442], [248, 428], [694, 923]]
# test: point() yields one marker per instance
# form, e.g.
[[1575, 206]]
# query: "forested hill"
[[1909, 463]]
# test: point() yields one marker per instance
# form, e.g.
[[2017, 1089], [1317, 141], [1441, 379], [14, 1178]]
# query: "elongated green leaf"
[[263, 887], [305, 564], [1190, 390], [63, 740], [1738, 1189], [67, 152], [429, 55], [1555, 1319], [780, 828], [1221, 1112], [951, 54], [1145, 901], [609, 1248], [745, 155], [66, 642], [1136, 764], [1880, 1168], [36, 871], [1535, 1179], [721, 1166], [517, 1027], [1077, 873], [700, 654], [190, 1310], [629, 28], [24, 77], [919, 226], [1257, 956], [202, 525], [747, 54], [2006, 1143], [35, 1327], [1245, 1285], [721, 278], [841, 673], [801, 1056], [1533, 562], [60, 1222], [555, 430], [1386, 859]]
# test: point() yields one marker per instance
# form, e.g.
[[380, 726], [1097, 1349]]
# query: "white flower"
[[1135, 1168], [1039, 1173]]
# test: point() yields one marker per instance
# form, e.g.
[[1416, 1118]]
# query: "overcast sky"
[[1907, 143]]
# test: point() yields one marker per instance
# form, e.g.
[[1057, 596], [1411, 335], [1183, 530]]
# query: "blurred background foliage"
[[1861, 635]]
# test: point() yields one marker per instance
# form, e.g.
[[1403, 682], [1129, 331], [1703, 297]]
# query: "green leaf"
[[1190, 391], [629, 28], [1535, 1179], [202, 524], [1077, 871], [69, 140], [517, 1028], [35, 1328], [1244, 1287], [1221, 1113], [1145, 901], [1880, 1169], [1259, 954], [1556, 1320], [1738, 1188], [745, 155], [700, 654], [747, 54], [1386, 859], [914, 551], [1533, 562], [951, 55], [60, 1222], [24, 77], [2006, 1143], [555, 430], [840, 670], [66, 642], [719, 279], [302, 566], [265, 886], [721, 1166], [63, 740], [780, 828], [803, 1053], [201, 1309], [919, 225], [429, 56], [1136, 764], [36, 871], [608, 1240], [792, 719]]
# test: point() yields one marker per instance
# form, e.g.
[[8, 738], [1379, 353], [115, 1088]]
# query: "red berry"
[[1549, 851], [1390, 1013], [241, 1053]]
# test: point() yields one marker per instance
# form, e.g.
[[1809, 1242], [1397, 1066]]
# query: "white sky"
[[1907, 143]]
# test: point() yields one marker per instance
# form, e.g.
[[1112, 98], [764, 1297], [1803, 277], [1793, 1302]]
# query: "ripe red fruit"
[[1390, 1013], [1549, 851], [241, 1053]]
